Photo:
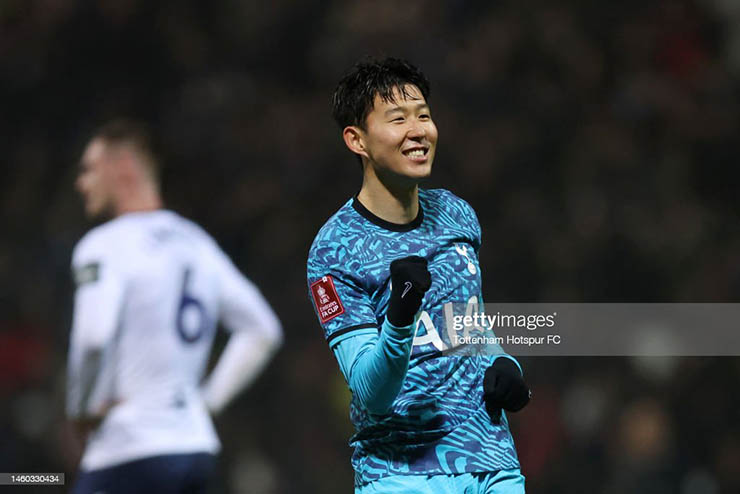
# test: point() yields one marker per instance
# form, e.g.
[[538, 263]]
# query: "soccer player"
[[380, 273], [151, 287]]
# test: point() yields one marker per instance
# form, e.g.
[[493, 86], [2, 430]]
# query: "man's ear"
[[126, 167], [354, 138]]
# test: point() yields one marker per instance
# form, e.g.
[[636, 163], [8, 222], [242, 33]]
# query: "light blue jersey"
[[437, 424]]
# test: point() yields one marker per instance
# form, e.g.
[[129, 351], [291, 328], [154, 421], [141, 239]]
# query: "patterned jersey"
[[438, 423]]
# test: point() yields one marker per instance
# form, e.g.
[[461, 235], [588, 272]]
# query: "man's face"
[[95, 181], [400, 136]]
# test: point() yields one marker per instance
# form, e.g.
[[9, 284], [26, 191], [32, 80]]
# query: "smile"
[[416, 154]]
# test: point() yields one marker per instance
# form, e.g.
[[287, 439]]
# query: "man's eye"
[[425, 116], [397, 119]]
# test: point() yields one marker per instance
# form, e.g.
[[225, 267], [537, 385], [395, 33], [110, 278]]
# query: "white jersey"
[[151, 288]]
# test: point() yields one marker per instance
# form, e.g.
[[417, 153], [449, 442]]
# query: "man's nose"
[[417, 130]]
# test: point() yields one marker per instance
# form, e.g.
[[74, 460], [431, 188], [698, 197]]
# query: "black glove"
[[410, 279], [504, 387]]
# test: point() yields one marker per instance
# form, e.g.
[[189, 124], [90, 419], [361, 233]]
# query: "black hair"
[[354, 96]]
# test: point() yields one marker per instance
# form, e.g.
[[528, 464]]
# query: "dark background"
[[596, 140]]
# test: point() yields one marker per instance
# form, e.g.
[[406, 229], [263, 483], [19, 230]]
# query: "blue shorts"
[[501, 482], [166, 474]]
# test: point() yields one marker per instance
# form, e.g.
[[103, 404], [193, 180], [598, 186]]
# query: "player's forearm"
[[377, 373], [82, 375], [245, 356]]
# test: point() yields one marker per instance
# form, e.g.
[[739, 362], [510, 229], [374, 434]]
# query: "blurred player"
[[380, 272], [151, 288]]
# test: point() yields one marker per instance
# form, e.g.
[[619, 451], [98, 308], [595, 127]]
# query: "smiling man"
[[380, 273]]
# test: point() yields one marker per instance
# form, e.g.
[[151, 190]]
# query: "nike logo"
[[407, 286]]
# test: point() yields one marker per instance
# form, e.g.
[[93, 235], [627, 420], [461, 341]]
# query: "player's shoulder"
[[173, 225], [444, 201], [342, 224], [100, 241], [441, 197], [188, 227], [129, 232], [340, 244]]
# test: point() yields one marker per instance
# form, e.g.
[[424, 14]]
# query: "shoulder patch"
[[325, 297], [87, 274]]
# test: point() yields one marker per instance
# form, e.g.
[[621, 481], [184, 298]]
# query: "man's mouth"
[[416, 153]]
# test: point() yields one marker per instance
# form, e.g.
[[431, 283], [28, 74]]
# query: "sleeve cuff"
[[340, 335], [399, 332]]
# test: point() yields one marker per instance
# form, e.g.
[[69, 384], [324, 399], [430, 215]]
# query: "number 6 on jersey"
[[191, 319]]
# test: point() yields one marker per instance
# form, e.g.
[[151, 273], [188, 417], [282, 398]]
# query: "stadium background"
[[597, 141]]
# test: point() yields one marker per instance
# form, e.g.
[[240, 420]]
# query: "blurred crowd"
[[596, 140]]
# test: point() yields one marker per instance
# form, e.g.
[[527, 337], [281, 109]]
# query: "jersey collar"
[[394, 227]]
